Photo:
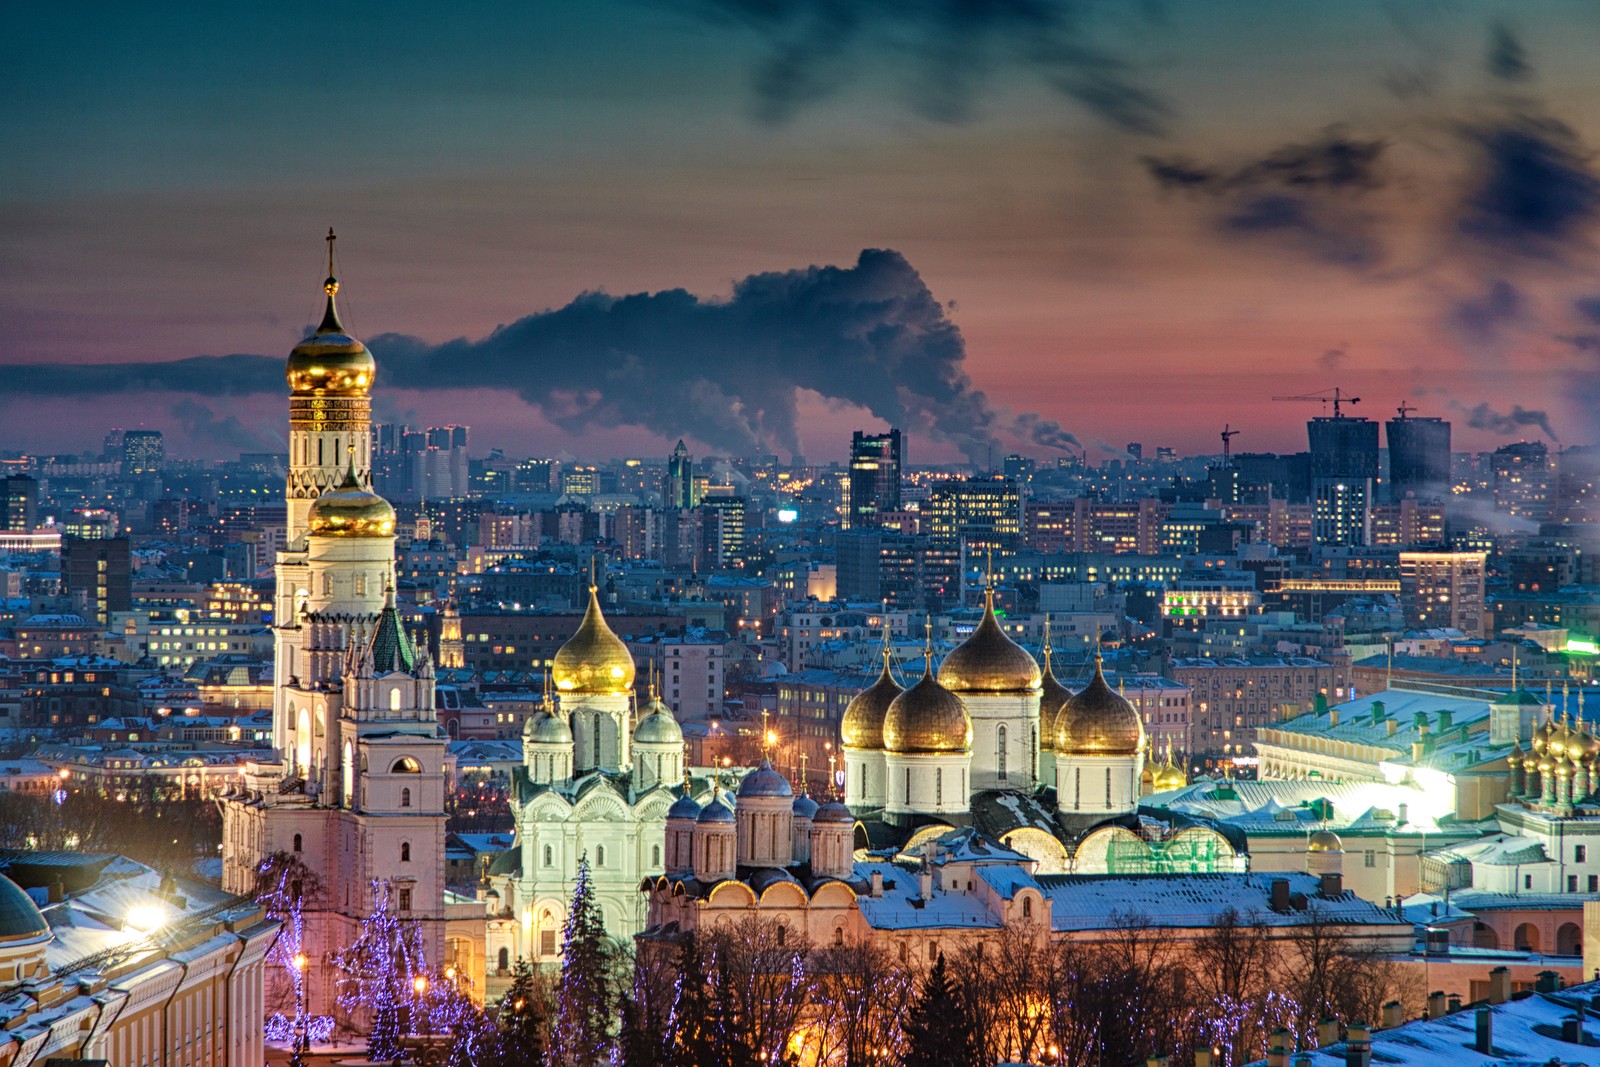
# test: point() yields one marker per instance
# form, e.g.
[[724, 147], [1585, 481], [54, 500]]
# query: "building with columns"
[[354, 790]]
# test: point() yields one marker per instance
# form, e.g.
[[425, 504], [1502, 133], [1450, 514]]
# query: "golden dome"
[[594, 660], [350, 511], [1098, 722], [330, 362], [1324, 841], [989, 661], [927, 719], [862, 725], [1052, 695], [1169, 775]]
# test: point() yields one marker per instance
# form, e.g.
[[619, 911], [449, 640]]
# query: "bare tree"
[[859, 998]]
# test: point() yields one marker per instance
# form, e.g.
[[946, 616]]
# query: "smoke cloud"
[[1519, 418], [946, 54], [1505, 58], [203, 427], [727, 372], [1046, 432]]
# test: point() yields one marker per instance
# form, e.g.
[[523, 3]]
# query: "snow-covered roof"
[[1095, 902]]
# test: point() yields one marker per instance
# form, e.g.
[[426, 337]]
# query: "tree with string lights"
[[379, 974], [520, 1018], [586, 1000]]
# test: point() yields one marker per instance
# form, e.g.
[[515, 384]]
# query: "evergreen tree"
[[585, 1001], [520, 1021], [377, 972], [939, 1032]]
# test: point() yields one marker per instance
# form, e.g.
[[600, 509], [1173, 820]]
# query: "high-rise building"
[[982, 513], [1443, 589], [98, 573], [19, 503], [143, 452], [1523, 474], [1344, 467], [875, 463], [414, 464], [678, 488], [1419, 457]]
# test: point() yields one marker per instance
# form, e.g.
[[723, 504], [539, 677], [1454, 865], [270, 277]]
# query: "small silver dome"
[[547, 729], [765, 782]]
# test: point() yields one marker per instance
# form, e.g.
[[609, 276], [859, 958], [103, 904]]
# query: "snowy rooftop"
[[1282, 806], [1094, 902]]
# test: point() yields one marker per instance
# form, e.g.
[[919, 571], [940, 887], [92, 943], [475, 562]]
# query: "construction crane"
[[1228, 434], [1334, 396], [1404, 409]]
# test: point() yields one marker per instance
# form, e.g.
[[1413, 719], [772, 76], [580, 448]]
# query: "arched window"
[[599, 855], [348, 770], [394, 699], [405, 797], [297, 843], [1027, 907], [405, 765], [405, 852], [327, 585], [302, 741], [783, 934], [505, 959], [838, 936], [1000, 751], [655, 856]]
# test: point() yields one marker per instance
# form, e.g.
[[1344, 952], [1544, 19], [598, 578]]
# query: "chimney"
[[1280, 894], [1499, 985], [1484, 1040], [1436, 1004], [1436, 941], [1279, 1045], [877, 883], [1327, 1032], [1358, 1046], [1547, 982], [1446, 719], [1453, 1003], [1394, 1014], [1393, 725], [1418, 750], [1404, 817], [925, 883], [1332, 885], [1572, 1030], [1333, 717], [57, 892]]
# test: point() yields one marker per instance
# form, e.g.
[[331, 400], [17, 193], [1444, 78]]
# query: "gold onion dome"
[[1099, 722], [350, 511], [927, 719], [1169, 776], [862, 725], [989, 661], [330, 362], [1052, 695], [1324, 841], [594, 660]]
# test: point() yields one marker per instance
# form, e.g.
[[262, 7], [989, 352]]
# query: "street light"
[[420, 985], [301, 1034]]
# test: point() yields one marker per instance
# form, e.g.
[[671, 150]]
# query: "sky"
[[591, 228]]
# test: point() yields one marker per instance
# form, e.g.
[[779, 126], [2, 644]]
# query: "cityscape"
[[746, 665]]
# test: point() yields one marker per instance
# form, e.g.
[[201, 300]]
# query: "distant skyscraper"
[[1135, 450], [1419, 457], [19, 503], [1344, 466], [142, 453], [98, 573], [875, 461], [677, 489], [1523, 475], [982, 513]]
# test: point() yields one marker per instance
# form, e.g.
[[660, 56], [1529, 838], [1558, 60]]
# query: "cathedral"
[[355, 789], [597, 780]]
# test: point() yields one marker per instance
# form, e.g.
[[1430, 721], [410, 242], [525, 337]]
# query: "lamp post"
[[420, 985], [301, 1033]]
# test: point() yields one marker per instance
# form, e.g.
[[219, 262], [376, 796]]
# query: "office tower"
[[1419, 457], [142, 453], [1344, 466], [98, 573], [875, 463], [1135, 450], [535, 475], [678, 488], [1523, 474], [420, 464], [982, 513], [729, 545], [19, 503], [1443, 589]]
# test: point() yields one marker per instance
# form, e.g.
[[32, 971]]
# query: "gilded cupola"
[[1099, 722], [862, 724], [594, 659], [989, 661], [927, 719], [330, 362], [350, 510]]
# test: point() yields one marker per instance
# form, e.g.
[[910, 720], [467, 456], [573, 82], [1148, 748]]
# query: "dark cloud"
[[728, 372], [1334, 160], [1534, 194], [226, 434], [1333, 236], [1333, 358], [1045, 432], [1481, 318], [1505, 57], [947, 53], [1519, 418]]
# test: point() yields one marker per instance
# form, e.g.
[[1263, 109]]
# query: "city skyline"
[[1399, 201]]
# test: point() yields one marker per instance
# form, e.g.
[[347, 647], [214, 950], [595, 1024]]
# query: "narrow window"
[[908, 785], [938, 785], [600, 855], [549, 856], [297, 842], [405, 852], [655, 856], [1027, 907], [1580, 853], [405, 798], [405, 900], [1000, 751]]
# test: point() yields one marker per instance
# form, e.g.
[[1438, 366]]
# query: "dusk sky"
[[1093, 222]]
